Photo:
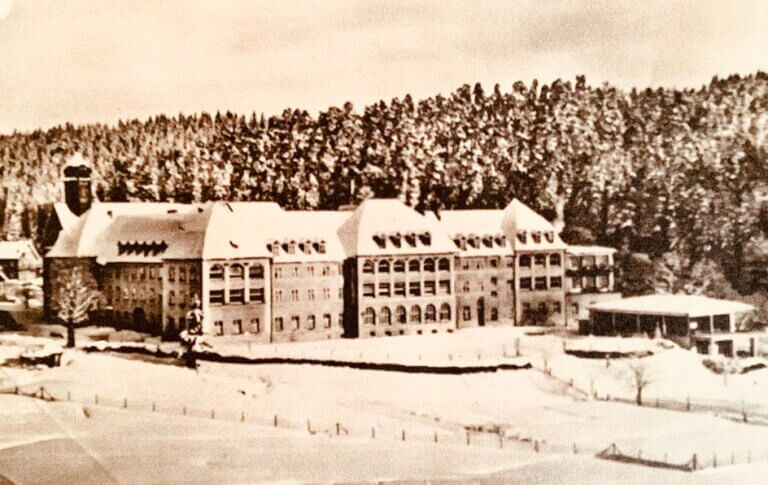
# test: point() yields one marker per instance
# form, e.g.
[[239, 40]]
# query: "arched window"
[[369, 316], [429, 265], [444, 264], [385, 316], [256, 272], [415, 314], [236, 272], [554, 260], [399, 266], [383, 266], [368, 266], [216, 272], [429, 314], [445, 312], [414, 265], [400, 315]]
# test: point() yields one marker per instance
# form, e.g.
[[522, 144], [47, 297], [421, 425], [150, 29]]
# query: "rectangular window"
[[525, 261], [218, 327], [311, 322], [341, 293], [494, 281], [311, 295], [556, 307], [326, 270], [216, 297], [237, 295], [279, 295], [294, 295], [171, 324], [384, 289], [310, 271], [257, 295], [326, 293], [295, 271], [399, 288], [602, 281], [590, 282], [182, 275], [171, 273], [279, 324], [466, 313], [255, 325], [295, 322], [142, 274], [445, 287], [525, 283], [237, 327], [414, 288], [465, 264], [327, 320], [556, 282], [369, 290], [429, 287], [509, 261], [494, 262], [539, 260], [278, 273], [541, 282]]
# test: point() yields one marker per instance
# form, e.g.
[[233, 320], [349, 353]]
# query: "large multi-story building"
[[253, 268]]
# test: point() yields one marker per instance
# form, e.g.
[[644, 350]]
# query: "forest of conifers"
[[668, 176]]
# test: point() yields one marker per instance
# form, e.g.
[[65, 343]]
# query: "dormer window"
[[426, 238], [522, 236], [550, 235], [274, 248], [410, 238], [380, 240], [292, 247], [500, 240], [536, 235], [321, 247], [457, 242], [396, 239], [488, 241]]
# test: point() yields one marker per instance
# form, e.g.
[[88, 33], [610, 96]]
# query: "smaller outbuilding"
[[711, 325], [19, 260]]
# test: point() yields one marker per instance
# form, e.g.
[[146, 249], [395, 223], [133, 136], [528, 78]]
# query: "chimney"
[[77, 184]]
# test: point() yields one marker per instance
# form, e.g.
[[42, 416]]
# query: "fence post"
[[96, 399], [749, 456], [184, 410], [688, 403], [274, 421], [403, 435], [657, 402], [575, 449], [435, 436], [213, 414], [69, 396], [536, 446], [242, 416], [125, 403], [694, 462], [16, 390], [467, 437], [373, 432], [154, 406], [714, 460], [501, 441], [732, 458]]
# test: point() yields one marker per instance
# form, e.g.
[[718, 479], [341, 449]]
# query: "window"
[[326, 271], [445, 287], [480, 264], [445, 312], [444, 264], [218, 327], [237, 295], [278, 273], [399, 288], [341, 293], [494, 281], [294, 295], [541, 282], [278, 295], [296, 271], [383, 266], [143, 274], [525, 261], [540, 259], [465, 287], [525, 283], [556, 307], [171, 324], [385, 316], [255, 325], [311, 322], [171, 297], [429, 265], [153, 272], [171, 273], [509, 262], [429, 314], [494, 314], [414, 288], [310, 271], [590, 282], [369, 316], [257, 295], [400, 316], [327, 320], [384, 289], [554, 260], [368, 290], [465, 264], [399, 266], [588, 261], [182, 274], [494, 262], [415, 314], [237, 327], [602, 281], [429, 287], [279, 324], [215, 273], [256, 272], [414, 266], [556, 282], [576, 282], [295, 322], [368, 266], [326, 293], [311, 294]]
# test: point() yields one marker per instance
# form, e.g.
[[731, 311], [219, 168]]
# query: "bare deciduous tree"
[[76, 297], [641, 378]]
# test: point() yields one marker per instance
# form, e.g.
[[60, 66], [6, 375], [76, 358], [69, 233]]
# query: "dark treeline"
[[669, 174]]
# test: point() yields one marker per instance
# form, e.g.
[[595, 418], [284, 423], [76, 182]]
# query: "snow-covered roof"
[[16, 249], [672, 305], [590, 250], [529, 231], [313, 234], [387, 226], [476, 232], [66, 217]]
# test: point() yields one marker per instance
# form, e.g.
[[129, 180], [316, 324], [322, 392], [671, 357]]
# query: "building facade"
[[382, 269], [589, 279]]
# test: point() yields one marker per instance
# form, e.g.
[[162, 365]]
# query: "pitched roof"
[[468, 226], [15, 249], [393, 225], [66, 217], [672, 305], [524, 226], [239, 229], [590, 250]]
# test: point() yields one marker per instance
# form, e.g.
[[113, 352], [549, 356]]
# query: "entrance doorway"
[[481, 312]]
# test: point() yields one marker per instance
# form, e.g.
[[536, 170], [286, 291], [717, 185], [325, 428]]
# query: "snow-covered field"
[[167, 429]]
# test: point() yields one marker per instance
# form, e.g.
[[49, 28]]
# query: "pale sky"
[[102, 60]]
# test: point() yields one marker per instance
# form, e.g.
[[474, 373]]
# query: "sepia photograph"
[[383, 241]]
